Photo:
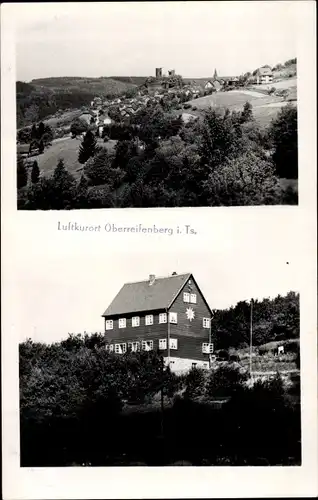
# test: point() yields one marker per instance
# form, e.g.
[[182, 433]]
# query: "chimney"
[[152, 278]]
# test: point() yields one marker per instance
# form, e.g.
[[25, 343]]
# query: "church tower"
[[215, 74]]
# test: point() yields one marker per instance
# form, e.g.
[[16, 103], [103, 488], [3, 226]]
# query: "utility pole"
[[251, 335], [162, 406]]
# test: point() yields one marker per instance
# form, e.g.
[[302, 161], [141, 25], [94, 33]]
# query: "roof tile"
[[141, 296]]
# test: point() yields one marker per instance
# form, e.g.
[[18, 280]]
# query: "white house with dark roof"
[[264, 75], [169, 315]]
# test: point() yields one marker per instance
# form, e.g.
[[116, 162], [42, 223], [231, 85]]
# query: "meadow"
[[65, 149]]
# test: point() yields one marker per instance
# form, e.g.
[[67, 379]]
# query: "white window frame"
[[206, 322], [173, 344], [173, 318], [194, 365], [135, 321], [134, 346], [186, 297], [144, 345], [122, 323], [149, 319], [109, 324], [162, 344], [122, 346], [111, 347], [162, 318], [207, 348], [193, 298]]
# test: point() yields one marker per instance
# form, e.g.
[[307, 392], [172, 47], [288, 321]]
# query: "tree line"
[[274, 319], [225, 159], [81, 405]]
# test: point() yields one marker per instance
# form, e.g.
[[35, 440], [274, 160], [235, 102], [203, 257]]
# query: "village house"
[[169, 315], [264, 75]]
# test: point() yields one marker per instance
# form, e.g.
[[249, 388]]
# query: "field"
[[67, 150], [265, 107]]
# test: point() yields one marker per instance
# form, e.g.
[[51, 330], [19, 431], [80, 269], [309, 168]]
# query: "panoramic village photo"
[[192, 107], [165, 364]]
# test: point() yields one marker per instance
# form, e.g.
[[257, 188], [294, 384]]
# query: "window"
[[147, 345], [193, 298], [134, 346], [111, 347], [135, 321], [173, 318], [163, 318], [162, 344], [109, 324], [149, 319], [122, 322], [194, 365], [173, 343], [186, 297], [206, 322], [207, 348], [120, 348]]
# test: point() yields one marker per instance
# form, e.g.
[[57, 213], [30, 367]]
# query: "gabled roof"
[[141, 296], [265, 71]]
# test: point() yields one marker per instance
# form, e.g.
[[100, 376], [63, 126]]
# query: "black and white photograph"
[[157, 104], [169, 352], [160, 367]]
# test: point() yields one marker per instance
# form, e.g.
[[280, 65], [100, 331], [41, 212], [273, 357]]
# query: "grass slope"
[[265, 107], [67, 150]]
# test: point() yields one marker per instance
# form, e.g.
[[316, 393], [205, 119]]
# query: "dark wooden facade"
[[189, 331]]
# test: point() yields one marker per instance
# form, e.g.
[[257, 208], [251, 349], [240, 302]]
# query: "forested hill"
[[43, 97], [273, 320], [102, 85]]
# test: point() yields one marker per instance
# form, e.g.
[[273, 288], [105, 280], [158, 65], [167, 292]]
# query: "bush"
[[235, 358], [194, 382], [224, 381], [223, 355], [187, 106]]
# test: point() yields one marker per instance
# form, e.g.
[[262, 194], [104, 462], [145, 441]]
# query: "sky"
[[132, 38], [63, 282]]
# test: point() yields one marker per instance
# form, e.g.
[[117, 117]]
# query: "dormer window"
[[186, 297], [122, 322]]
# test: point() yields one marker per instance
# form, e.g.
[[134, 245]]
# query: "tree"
[[244, 180], [87, 148], [35, 173], [34, 132], [41, 147], [283, 131], [41, 130], [63, 186], [247, 113], [22, 173], [78, 127], [98, 169], [220, 138]]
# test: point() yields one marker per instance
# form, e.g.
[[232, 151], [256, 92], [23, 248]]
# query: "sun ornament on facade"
[[190, 313]]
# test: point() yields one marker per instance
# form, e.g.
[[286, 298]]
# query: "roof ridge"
[[156, 278]]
